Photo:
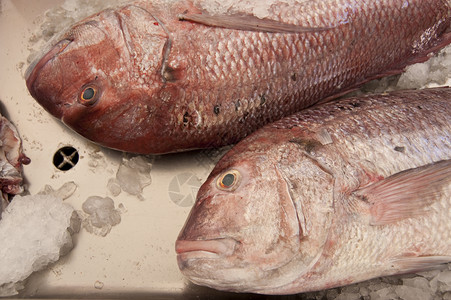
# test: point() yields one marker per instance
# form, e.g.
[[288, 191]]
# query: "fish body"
[[11, 161], [167, 76], [335, 194]]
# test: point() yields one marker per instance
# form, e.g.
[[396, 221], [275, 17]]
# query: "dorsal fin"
[[248, 23], [407, 193]]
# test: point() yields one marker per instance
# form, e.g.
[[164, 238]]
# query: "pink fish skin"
[[335, 194], [140, 79]]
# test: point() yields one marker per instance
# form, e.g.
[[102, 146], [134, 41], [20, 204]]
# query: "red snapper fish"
[[335, 194], [165, 76]]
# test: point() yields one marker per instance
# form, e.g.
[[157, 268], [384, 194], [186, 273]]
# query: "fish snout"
[[42, 81]]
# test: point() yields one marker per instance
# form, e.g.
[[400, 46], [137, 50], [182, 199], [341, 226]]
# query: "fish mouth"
[[204, 249], [35, 69]]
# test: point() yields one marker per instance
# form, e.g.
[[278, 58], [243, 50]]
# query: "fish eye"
[[88, 95], [229, 180]]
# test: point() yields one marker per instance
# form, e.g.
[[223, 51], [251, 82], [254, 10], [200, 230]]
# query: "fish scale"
[[335, 194], [191, 74], [376, 129], [382, 244]]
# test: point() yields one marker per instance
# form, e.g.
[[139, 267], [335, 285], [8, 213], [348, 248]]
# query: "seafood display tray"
[[137, 258]]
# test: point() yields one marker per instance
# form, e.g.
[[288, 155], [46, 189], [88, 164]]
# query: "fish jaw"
[[221, 259], [215, 257]]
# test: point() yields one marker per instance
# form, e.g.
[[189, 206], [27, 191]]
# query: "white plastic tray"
[[137, 258]]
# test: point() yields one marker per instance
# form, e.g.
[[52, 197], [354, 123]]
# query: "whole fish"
[[165, 76], [11, 161], [335, 194]]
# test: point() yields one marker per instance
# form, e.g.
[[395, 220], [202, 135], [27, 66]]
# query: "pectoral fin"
[[248, 23], [410, 264], [406, 194]]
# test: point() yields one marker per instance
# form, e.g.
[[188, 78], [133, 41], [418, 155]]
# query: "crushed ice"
[[61, 17], [46, 226], [435, 72], [430, 285], [247, 6], [64, 192]]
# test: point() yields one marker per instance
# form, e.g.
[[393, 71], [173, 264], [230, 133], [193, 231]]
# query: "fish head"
[[244, 232], [92, 78]]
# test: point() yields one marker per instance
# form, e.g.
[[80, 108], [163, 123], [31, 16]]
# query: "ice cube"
[[64, 192], [411, 293], [415, 76], [429, 274], [364, 291], [435, 71], [383, 294], [114, 187], [418, 282], [134, 174], [348, 296], [444, 281], [444, 277], [99, 215]]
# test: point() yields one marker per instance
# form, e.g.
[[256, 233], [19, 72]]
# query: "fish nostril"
[[63, 45]]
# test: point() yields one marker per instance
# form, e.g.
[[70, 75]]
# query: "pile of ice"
[[432, 73], [46, 227], [435, 72], [218, 7], [70, 12], [430, 285]]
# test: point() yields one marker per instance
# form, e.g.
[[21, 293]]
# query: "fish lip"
[[35, 67], [211, 248]]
